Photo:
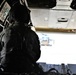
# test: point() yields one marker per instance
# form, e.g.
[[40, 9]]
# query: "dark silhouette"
[[73, 4], [23, 46]]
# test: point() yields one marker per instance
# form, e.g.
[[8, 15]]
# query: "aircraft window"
[[4, 11]]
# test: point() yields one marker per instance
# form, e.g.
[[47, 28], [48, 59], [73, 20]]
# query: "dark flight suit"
[[22, 50]]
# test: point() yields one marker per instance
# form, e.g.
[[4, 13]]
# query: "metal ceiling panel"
[[59, 18], [64, 2], [51, 18], [40, 17], [63, 7], [72, 22]]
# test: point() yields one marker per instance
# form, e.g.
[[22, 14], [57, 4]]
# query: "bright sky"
[[63, 49]]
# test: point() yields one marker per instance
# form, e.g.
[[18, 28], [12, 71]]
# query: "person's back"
[[23, 46], [25, 50]]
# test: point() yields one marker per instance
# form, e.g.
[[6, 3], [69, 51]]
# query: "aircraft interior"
[[55, 23]]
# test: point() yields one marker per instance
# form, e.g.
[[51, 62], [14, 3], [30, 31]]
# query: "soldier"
[[22, 49]]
